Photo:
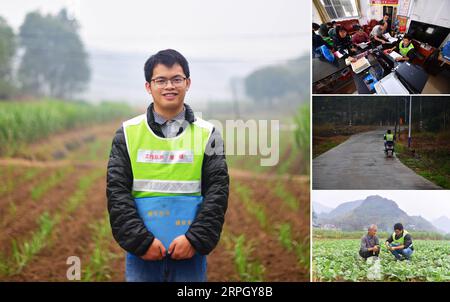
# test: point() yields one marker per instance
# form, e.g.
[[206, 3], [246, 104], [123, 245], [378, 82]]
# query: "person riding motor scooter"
[[389, 140]]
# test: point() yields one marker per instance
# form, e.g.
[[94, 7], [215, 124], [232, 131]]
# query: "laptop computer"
[[412, 76]]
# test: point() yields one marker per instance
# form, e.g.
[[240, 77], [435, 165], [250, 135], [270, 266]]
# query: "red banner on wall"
[[384, 2], [402, 23]]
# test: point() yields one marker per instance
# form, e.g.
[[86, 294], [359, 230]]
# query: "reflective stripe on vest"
[[401, 240], [390, 137], [157, 162], [166, 175], [166, 186], [404, 50]]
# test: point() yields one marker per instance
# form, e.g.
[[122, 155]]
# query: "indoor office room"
[[381, 47]]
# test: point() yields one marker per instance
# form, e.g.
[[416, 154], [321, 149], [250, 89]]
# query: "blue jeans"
[[404, 252], [166, 270]]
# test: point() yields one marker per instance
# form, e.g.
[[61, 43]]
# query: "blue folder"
[[168, 217]]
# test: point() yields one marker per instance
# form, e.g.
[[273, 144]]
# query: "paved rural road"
[[359, 163]]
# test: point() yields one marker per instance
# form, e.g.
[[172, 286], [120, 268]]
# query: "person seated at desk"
[[360, 36], [332, 32], [377, 34], [342, 42], [317, 40], [405, 48], [324, 29]]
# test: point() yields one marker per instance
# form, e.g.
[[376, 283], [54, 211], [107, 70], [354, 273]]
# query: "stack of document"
[[363, 45], [388, 37], [395, 55], [360, 65], [390, 85]]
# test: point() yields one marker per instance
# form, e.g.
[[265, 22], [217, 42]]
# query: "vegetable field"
[[53, 202], [338, 260]]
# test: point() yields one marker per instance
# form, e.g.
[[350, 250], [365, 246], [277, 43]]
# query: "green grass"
[[288, 163], [339, 260], [303, 133], [52, 181], [303, 252], [433, 164], [287, 241], [11, 180], [98, 267], [332, 234], [84, 184], [287, 197], [22, 253], [252, 207], [25, 122], [248, 270], [324, 147], [285, 236]]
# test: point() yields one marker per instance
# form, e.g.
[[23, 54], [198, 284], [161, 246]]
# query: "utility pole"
[[350, 112], [405, 108], [409, 123], [420, 124]]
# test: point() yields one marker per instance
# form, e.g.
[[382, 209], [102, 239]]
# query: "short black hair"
[[398, 226], [167, 57], [315, 26], [407, 37], [381, 22], [389, 131], [333, 22], [356, 27]]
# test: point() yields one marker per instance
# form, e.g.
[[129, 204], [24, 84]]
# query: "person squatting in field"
[[370, 245], [400, 243], [167, 181]]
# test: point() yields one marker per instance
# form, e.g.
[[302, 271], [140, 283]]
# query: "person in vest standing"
[[405, 48], [400, 243], [167, 181]]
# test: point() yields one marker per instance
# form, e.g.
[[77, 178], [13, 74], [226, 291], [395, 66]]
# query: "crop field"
[[338, 260], [53, 206]]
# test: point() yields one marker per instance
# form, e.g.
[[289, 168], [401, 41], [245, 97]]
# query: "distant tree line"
[[427, 113], [51, 58], [272, 85]]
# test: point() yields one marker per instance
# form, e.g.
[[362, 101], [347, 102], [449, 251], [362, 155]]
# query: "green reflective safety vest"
[[404, 50], [401, 240], [389, 137], [166, 175]]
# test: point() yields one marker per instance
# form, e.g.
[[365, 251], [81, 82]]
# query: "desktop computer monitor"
[[431, 34]]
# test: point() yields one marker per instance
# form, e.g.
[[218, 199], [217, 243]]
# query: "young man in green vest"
[[406, 49], [400, 243], [167, 181]]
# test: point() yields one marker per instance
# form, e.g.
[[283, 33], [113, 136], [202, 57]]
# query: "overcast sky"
[[250, 29], [220, 39], [428, 204]]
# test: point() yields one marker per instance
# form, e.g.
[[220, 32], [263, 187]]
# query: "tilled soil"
[[73, 235]]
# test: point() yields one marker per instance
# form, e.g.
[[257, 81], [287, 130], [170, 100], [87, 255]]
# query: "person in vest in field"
[[406, 49], [167, 181], [400, 243]]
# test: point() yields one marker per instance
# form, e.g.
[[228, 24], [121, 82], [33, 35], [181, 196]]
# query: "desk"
[[330, 77], [442, 60]]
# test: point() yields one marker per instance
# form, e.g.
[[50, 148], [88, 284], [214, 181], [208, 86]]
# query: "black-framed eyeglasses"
[[177, 81]]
